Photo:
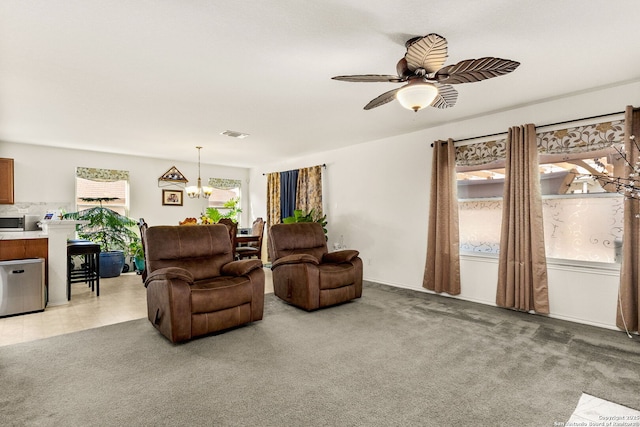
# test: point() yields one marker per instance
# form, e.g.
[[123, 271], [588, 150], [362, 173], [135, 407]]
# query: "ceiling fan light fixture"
[[428, 80], [416, 96]]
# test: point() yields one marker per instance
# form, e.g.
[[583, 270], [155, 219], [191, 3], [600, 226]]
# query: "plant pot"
[[111, 263], [139, 263]]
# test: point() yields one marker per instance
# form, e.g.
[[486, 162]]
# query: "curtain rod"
[[324, 165], [541, 126]]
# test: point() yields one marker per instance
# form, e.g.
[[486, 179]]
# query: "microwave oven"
[[19, 223]]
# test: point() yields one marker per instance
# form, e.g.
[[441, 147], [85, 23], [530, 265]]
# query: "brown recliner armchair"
[[305, 274], [194, 287]]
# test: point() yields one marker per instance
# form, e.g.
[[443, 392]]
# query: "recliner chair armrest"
[[295, 259], [345, 255], [168, 274], [241, 267]]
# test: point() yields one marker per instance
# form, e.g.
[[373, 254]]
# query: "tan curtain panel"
[[224, 183], [442, 268], [309, 190], [628, 316], [102, 175], [522, 267], [273, 198]]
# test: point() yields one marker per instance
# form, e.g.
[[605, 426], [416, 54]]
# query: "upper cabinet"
[[6, 181]]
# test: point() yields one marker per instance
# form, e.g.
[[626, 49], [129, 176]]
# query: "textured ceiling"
[[157, 78]]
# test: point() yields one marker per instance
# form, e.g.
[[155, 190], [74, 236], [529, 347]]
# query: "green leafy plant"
[[105, 226], [311, 216], [137, 253], [135, 249], [231, 208]]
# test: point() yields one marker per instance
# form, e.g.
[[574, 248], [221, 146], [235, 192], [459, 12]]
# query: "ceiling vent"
[[235, 134]]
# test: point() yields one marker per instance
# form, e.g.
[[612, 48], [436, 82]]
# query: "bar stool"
[[89, 271]]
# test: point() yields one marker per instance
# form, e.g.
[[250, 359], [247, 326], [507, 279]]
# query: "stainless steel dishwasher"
[[21, 286]]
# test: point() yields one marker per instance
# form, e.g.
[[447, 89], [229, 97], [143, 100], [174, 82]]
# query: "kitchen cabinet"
[[11, 249], [6, 181], [23, 248]]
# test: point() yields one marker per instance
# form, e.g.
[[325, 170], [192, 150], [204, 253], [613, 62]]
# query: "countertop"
[[20, 235], [64, 226]]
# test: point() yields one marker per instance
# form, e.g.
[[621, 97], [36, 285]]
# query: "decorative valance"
[[581, 139], [102, 175], [224, 183], [578, 139], [481, 153]]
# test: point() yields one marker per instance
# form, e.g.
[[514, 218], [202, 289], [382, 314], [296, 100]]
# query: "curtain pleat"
[[273, 199], [288, 186], [442, 268], [522, 268], [628, 314], [309, 190]]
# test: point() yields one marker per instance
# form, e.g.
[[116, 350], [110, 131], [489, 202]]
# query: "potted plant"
[[137, 253], [112, 231], [311, 216]]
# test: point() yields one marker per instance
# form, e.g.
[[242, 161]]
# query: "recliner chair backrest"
[[201, 249], [297, 238]]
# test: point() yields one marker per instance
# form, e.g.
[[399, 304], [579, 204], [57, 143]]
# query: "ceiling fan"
[[428, 82]]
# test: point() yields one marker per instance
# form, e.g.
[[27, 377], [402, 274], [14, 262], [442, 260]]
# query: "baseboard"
[[492, 304]]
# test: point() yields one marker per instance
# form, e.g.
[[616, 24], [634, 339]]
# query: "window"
[[582, 219], [219, 197], [225, 192], [102, 183], [580, 227]]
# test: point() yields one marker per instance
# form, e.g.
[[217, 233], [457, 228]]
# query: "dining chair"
[[253, 248], [232, 226]]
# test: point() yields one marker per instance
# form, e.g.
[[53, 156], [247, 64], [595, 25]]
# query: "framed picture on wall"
[[172, 197]]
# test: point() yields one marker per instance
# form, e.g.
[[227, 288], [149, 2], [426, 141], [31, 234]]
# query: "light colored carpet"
[[392, 358]]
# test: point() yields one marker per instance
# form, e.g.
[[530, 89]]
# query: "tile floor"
[[121, 299]]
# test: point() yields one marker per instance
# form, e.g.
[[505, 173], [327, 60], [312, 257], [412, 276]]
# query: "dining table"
[[247, 238]]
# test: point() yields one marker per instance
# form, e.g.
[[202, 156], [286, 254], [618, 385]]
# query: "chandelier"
[[199, 191]]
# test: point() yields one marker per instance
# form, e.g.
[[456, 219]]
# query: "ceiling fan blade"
[[475, 70], [447, 97], [403, 69], [382, 99], [428, 52], [369, 78]]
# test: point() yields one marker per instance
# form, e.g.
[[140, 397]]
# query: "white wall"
[[45, 179], [580, 294], [377, 193]]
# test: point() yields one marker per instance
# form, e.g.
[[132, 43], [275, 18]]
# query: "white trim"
[[492, 304], [592, 267], [583, 322]]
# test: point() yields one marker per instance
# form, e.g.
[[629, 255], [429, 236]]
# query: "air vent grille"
[[235, 134]]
